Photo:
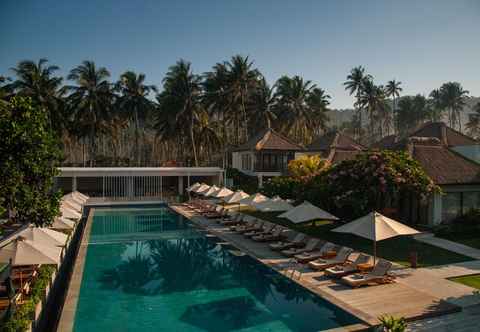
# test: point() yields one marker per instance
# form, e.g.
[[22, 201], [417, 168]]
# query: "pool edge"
[[67, 317]]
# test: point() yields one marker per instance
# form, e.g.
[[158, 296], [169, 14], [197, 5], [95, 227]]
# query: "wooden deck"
[[367, 303]]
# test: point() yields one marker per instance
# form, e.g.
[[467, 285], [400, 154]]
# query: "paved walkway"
[[450, 245]]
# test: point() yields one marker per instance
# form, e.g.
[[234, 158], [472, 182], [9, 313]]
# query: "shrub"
[[284, 186], [392, 324], [307, 166], [241, 181]]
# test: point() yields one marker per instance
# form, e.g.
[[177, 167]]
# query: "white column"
[[260, 180], [74, 183]]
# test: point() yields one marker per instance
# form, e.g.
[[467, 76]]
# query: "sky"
[[420, 43]]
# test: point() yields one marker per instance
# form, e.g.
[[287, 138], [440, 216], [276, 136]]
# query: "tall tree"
[[261, 107], [453, 96], [37, 80], [354, 85], [372, 99], [242, 80], [134, 102], [473, 124], [181, 95], [411, 112], [392, 90], [91, 98], [299, 107], [437, 105]]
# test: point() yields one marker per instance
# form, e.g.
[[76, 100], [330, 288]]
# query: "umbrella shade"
[[273, 206], [224, 192], [25, 252], [74, 199], [81, 196], [69, 213], [254, 199], [376, 227], [43, 236], [62, 223], [236, 197], [203, 188], [307, 212], [193, 186], [213, 189], [72, 205]]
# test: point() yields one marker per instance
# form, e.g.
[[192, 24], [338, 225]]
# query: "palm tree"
[[393, 89], [37, 80], [319, 100], [134, 103], [453, 96], [354, 85], [298, 107], [436, 104], [372, 98], [181, 95], [261, 107], [91, 99], [473, 125], [242, 80], [6, 90]]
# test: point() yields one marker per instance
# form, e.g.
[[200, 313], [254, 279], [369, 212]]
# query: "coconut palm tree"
[[372, 99], [181, 95], [392, 90], [473, 124], [298, 107], [91, 99], [354, 85], [134, 102], [319, 100], [436, 104], [37, 80], [261, 107], [242, 80], [453, 96]]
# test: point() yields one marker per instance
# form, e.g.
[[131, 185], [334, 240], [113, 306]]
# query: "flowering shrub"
[[373, 180]]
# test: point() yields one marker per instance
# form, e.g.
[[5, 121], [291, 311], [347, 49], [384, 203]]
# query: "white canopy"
[[43, 236], [307, 212], [273, 206], [203, 188], [254, 199], [62, 223], [80, 196], [69, 213], [71, 205], [193, 186], [24, 252], [376, 227], [236, 197], [223, 192], [75, 198], [211, 191]]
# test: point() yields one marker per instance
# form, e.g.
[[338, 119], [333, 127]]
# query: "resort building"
[[265, 155], [335, 147], [135, 182], [451, 160]]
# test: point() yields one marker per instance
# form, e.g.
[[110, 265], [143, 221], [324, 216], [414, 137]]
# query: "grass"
[[397, 249], [470, 280], [466, 239]]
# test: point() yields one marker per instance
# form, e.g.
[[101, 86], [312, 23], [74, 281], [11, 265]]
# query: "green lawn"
[[397, 249], [471, 280], [465, 239]]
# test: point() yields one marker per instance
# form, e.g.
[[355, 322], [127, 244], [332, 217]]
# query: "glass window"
[[451, 206], [471, 200]]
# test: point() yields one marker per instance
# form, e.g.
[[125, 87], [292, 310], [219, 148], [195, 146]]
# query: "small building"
[[335, 147], [265, 155]]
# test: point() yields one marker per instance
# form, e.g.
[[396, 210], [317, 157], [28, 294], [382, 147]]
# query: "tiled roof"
[[338, 156], [269, 140], [443, 165], [447, 135], [337, 140]]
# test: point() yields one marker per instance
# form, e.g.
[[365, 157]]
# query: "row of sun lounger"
[[318, 255]]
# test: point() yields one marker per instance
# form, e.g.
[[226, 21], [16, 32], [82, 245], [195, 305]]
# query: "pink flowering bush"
[[373, 180]]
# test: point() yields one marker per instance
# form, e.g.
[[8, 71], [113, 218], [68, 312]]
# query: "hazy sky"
[[421, 43]]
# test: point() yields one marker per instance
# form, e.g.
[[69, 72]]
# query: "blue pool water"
[[149, 269]]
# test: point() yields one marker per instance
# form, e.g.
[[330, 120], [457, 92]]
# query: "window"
[[246, 162], [471, 200], [451, 206]]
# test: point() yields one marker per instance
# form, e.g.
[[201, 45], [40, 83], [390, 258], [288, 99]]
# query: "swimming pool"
[[150, 269]]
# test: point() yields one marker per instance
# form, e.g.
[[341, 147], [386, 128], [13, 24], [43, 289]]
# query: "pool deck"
[[399, 299], [67, 317]]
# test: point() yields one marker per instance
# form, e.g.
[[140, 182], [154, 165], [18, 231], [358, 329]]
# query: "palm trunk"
[[137, 155], [192, 138]]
